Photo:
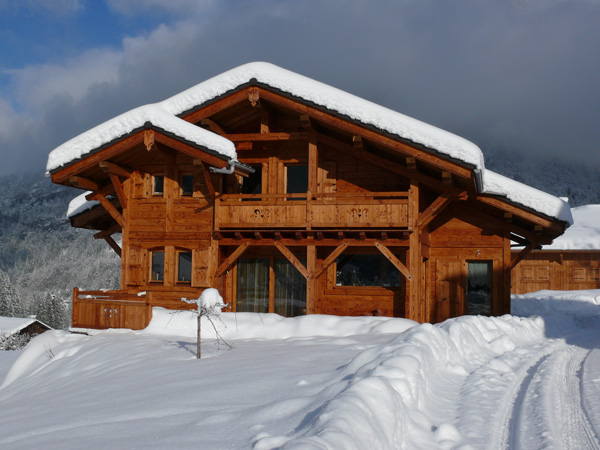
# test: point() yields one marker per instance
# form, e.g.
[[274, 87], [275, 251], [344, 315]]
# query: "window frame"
[[154, 193], [151, 265], [182, 193], [178, 253]]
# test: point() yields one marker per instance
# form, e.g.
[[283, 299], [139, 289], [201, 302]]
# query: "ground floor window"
[[270, 284], [157, 268], [366, 270], [184, 266], [479, 287]]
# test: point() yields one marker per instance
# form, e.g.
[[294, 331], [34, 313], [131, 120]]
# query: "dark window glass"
[[158, 266], [366, 270], [479, 288], [187, 184], [297, 179], [290, 289], [252, 184], [184, 266], [158, 184], [253, 285]]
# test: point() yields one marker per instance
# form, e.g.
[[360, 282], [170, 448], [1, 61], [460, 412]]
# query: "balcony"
[[312, 211]]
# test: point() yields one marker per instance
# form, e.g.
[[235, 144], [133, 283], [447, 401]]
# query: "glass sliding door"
[[253, 285], [479, 288], [290, 289]]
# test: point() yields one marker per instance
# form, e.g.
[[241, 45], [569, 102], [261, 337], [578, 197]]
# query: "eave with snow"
[[317, 176]]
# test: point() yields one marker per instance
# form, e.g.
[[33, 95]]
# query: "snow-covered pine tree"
[[51, 311], [10, 305]]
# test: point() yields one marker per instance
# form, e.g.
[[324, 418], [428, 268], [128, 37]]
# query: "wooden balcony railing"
[[312, 210]]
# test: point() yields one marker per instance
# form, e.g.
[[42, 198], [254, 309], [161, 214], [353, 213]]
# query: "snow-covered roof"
[[79, 204], [11, 325], [165, 115], [133, 120], [527, 196], [584, 234]]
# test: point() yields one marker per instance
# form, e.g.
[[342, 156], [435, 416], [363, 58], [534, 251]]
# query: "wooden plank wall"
[[556, 270]]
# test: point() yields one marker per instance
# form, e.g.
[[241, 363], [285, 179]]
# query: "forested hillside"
[[42, 258]]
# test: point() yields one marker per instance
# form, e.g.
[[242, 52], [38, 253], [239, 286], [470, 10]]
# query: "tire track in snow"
[[548, 410]]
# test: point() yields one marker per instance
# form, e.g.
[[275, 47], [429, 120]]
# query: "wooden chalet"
[[323, 203], [571, 262]]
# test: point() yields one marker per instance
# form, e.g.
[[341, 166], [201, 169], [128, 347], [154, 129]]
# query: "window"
[[479, 288], [297, 179], [157, 269], [184, 267], [187, 185], [253, 285], [366, 270], [252, 184], [158, 184]]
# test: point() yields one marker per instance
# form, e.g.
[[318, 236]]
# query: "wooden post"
[[198, 338], [311, 281], [415, 307]]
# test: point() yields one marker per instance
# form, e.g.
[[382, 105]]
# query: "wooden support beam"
[[357, 142], [298, 235], [254, 96], [319, 235], [217, 236], [278, 235], [231, 259], [149, 139], [313, 163], [446, 177], [523, 253], [438, 205], [362, 235], [213, 126], [394, 260], [118, 189], [257, 235], [292, 258], [112, 230], [108, 206], [109, 167], [264, 121], [83, 183], [110, 241], [340, 235], [266, 137], [237, 235], [414, 305], [305, 121], [411, 163], [330, 259], [207, 178], [384, 235]]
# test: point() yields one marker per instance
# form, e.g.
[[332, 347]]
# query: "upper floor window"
[[184, 266], [157, 267], [297, 179], [158, 184], [252, 184], [187, 185]]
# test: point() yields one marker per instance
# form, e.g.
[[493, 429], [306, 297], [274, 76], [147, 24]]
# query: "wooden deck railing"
[[312, 210], [110, 309]]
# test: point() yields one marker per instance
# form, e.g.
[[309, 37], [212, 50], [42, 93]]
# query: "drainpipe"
[[478, 180], [223, 170]]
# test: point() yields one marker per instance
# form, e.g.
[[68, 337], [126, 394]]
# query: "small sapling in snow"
[[209, 305]]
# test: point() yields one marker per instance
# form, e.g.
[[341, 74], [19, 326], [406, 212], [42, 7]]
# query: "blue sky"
[[518, 75]]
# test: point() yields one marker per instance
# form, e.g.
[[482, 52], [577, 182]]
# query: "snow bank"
[[522, 194], [270, 326], [157, 115], [581, 303], [584, 234], [392, 396]]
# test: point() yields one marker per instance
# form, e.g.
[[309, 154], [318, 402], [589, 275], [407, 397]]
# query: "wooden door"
[[449, 289]]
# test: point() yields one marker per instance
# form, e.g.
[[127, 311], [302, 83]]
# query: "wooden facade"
[[321, 194], [561, 270]]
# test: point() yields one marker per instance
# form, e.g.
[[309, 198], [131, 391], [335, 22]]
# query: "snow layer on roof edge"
[[530, 197], [125, 123], [80, 204], [584, 234], [333, 99]]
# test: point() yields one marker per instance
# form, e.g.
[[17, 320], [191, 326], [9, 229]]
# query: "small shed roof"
[[11, 325], [584, 234]]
